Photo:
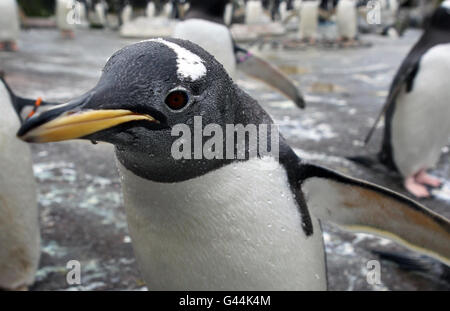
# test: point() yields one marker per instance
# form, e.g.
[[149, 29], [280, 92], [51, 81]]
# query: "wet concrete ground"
[[81, 211]]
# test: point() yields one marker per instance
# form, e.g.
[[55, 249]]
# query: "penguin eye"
[[177, 100]]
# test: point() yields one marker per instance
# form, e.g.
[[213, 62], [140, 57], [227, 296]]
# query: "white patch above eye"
[[189, 64]]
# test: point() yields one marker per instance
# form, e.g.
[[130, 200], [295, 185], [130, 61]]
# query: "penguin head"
[[213, 7], [145, 90]]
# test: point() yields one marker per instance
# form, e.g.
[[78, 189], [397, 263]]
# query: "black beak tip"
[[301, 102], [27, 126]]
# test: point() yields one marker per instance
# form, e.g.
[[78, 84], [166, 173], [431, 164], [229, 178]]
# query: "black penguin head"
[[145, 90], [213, 7], [212, 10], [441, 17]]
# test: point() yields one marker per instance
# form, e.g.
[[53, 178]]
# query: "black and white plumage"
[[220, 223], [417, 108], [9, 21]]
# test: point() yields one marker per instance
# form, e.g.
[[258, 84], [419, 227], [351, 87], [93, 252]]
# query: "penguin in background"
[[97, 16], [283, 11], [204, 25], [19, 225], [309, 17], [254, 13], [127, 12], [64, 9], [417, 111], [274, 8], [245, 221], [9, 25], [347, 20], [229, 13], [389, 15], [167, 10], [150, 9]]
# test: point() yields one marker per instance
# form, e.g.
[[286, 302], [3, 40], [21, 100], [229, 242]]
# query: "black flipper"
[[260, 69], [364, 207]]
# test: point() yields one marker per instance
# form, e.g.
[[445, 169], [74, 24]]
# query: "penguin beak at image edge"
[[71, 121]]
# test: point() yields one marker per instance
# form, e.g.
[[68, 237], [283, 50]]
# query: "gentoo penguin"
[[417, 109], [9, 25], [347, 19], [389, 12], [150, 9], [167, 10], [127, 12], [98, 13], [283, 11], [204, 25], [254, 13], [241, 219], [19, 226], [229, 12], [309, 16], [64, 17]]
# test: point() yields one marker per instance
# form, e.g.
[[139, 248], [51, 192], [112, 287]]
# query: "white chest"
[[420, 126], [236, 228], [9, 20], [308, 19]]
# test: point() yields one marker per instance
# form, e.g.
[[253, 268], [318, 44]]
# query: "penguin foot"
[[416, 188], [8, 46], [67, 34], [425, 179]]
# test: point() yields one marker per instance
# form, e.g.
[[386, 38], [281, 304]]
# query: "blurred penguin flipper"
[[260, 69], [360, 206]]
